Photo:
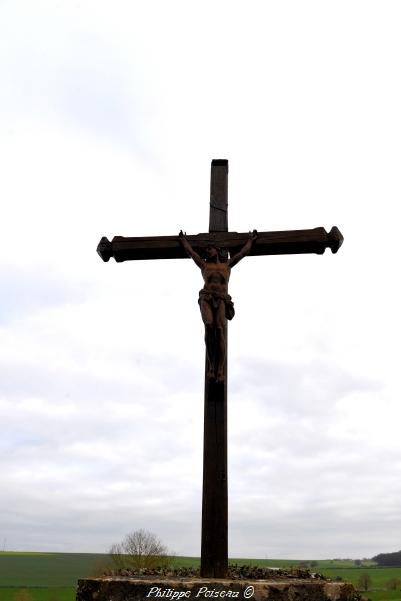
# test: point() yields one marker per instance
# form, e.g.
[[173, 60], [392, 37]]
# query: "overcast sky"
[[110, 114]]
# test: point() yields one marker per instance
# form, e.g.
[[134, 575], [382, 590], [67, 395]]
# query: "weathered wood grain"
[[214, 540], [218, 218], [267, 243]]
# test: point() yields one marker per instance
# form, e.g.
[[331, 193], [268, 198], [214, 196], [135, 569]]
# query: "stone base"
[[157, 589]]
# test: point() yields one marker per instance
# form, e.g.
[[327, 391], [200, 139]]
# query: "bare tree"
[[364, 582], [140, 549], [393, 584]]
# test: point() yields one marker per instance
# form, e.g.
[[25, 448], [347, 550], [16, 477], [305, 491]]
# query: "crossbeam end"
[[104, 249], [335, 239]]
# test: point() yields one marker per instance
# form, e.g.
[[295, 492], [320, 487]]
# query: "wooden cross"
[[214, 549]]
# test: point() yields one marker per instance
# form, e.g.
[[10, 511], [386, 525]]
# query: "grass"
[[326, 564], [53, 569], [383, 595], [53, 576], [39, 594], [379, 576]]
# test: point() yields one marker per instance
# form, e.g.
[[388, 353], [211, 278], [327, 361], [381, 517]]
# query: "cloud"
[[109, 120], [32, 290]]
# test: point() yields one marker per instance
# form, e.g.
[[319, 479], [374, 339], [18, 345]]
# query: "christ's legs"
[[220, 321], [210, 337], [215, 340]]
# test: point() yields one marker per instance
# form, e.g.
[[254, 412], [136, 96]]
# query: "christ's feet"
[[220, 376], [210, 373]]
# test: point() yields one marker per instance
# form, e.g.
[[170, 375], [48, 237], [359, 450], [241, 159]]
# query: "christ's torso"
[[216, 276]]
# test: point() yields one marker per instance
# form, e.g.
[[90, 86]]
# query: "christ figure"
[[214, 301]]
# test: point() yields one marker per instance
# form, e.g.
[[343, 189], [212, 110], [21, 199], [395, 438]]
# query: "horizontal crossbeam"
[[267, 243]]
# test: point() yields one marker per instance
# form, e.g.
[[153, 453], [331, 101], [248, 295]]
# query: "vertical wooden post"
[[218, 216], [214, 551]]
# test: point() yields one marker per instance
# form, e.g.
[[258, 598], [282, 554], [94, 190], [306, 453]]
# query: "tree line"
[[388, 559]]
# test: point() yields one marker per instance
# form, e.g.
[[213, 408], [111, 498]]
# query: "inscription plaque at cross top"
[[215, 253]]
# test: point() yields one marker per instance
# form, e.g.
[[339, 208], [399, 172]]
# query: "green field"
[[52, 569], [38, 594], [46, 576], [53, 576]]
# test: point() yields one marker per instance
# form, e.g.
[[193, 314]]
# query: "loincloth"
[[214, 299]]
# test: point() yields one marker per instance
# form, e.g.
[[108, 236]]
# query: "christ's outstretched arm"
[[244, 250], [190, 251]]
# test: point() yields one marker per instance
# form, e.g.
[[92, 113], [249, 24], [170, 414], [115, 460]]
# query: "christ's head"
[[214, 254]]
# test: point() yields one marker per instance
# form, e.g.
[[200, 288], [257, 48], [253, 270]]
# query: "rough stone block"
[[156, 589]]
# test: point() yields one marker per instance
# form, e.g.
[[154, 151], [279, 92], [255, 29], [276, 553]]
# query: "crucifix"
[[215, 253]]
